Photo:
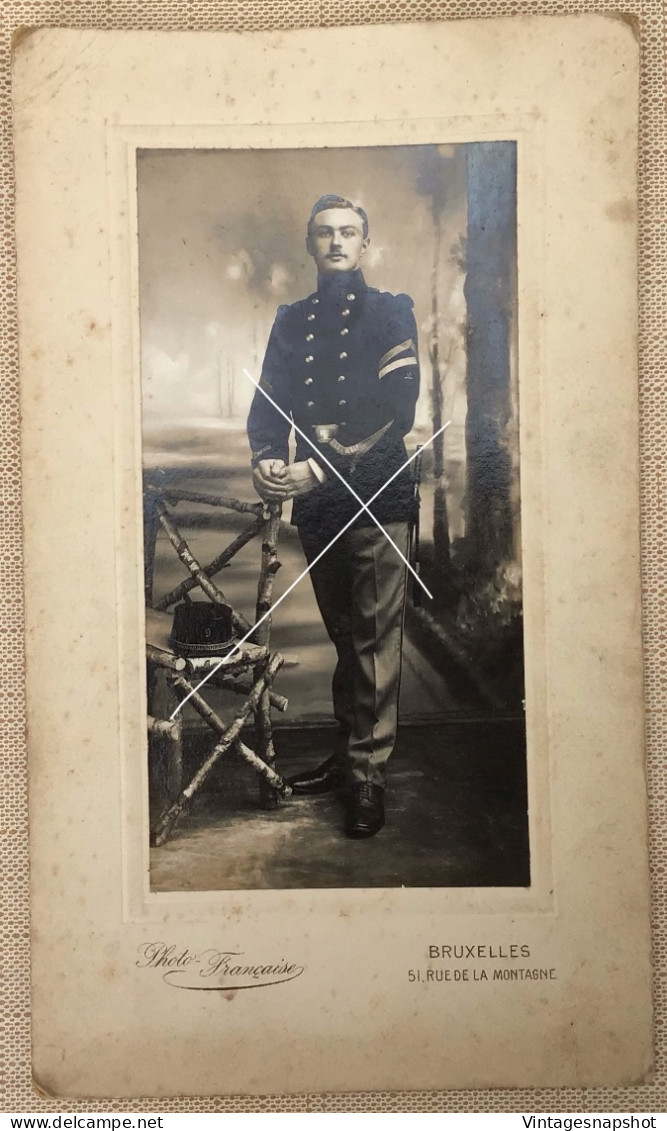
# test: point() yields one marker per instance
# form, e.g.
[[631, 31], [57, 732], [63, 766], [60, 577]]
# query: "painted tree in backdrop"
[[492, 520], [433, 178]]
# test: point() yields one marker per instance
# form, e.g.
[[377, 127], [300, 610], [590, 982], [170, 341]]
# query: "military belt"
[[326, 434]]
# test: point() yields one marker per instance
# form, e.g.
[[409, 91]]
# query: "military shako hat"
[[201, 628]]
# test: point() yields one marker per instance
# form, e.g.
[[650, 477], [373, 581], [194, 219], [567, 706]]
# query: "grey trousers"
[[359, 585]]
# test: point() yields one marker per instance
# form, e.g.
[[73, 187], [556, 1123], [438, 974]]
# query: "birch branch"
[[190, 562], [165, 659], [266, 772], [228, 737], [210, 570], [165, 727], [177, 495]]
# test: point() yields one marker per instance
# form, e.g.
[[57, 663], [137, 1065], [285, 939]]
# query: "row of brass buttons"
[[309, 358], [344, 314], [342, 356], [350, 298], [311, 404], [309, 380]]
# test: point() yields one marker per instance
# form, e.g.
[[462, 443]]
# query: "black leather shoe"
[[330, 775], [365, 811]]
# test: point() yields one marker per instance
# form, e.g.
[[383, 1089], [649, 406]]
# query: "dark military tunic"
[[343, 363]]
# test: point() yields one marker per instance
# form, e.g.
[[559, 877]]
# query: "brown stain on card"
[[623, 210], [19, 35], [93, 327]]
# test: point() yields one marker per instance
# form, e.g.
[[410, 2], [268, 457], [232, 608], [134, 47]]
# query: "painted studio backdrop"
[[221, 245]]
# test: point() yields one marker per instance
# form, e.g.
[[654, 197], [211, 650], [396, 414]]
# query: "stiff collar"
[[338, 284]]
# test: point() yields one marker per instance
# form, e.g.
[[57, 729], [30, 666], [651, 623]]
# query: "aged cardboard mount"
[[353, 988]]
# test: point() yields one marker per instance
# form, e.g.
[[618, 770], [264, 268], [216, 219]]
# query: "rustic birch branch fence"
[[249, 673]]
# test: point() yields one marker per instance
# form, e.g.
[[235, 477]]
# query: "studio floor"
[[456, 817]]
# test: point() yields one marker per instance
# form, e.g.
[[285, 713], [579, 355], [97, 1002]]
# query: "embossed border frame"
[[648, 19]]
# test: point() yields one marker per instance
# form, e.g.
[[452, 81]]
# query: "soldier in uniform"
[[343, 364]]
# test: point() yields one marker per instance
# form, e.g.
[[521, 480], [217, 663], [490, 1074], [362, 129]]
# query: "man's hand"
[[268, 482], [276, 483], [299, 479]]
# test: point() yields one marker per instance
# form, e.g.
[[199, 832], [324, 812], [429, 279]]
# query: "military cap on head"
[[332, 200]]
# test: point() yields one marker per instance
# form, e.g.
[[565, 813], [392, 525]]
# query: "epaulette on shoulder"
[[391, 299]]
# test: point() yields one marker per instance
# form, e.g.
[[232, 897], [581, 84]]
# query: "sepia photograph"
[[333, 622], [332, 517]]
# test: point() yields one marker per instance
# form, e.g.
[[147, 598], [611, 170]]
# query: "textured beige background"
[[14, 919]]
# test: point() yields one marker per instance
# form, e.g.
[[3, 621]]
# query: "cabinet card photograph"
[[304, 352], [330, 479]]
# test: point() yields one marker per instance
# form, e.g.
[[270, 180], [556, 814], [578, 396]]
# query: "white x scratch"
[[269, 612], [335, 470]]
